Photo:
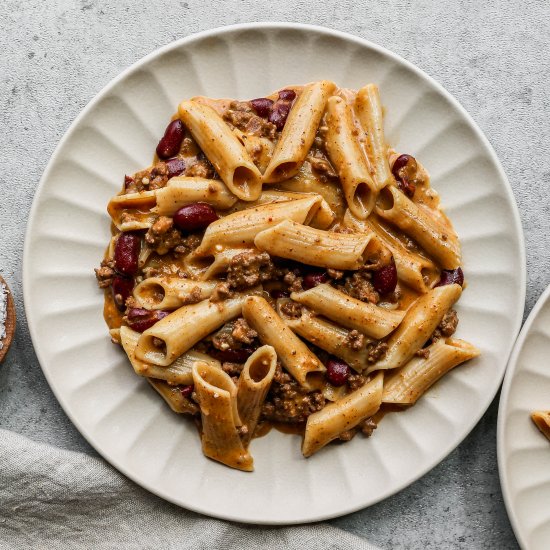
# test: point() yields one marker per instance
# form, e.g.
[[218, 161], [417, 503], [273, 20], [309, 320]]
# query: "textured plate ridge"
[[69, 229]]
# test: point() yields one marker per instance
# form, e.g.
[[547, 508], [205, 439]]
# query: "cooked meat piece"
[[447, 327], [355, 340], [105, 273], [377, 350], [242, 332], [292, 310], [358, 285], [249, 269]]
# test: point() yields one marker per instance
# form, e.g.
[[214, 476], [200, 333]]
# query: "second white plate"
[[122, 417], [523, 452]]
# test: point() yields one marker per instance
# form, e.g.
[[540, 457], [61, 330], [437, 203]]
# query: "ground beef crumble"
[[447, 327], [162, 237], [367, 427], [355, 340], [376, 351], [291, 309], [249, 269], [358, 285], [288, 402], [241, 115], [242, 332], [105, 273]]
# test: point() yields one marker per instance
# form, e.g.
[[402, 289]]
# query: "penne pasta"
[[171, 292], [414, 270], [165, 341], [173, 396], [329, 337], [252, 387], [240, 229], [417, 326], [405, 385], [370, 114], [316, 247], [439, 242], [367, 318], [542, 421], [299, 132], [327, 424], [217, 396], [183, 190], [322, 219], [295, 356], [223, 149], [132, 211], [177, 373], [348, 158]]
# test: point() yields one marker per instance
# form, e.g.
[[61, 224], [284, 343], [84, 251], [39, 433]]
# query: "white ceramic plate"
[[523, 452], [122, 417]]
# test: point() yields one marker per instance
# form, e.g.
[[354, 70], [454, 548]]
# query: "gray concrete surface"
[[493, 56]]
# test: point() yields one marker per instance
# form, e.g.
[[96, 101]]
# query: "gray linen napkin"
[[57, 499]]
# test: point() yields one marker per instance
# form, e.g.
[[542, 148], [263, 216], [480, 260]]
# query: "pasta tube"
[[178, 373], [348, 158], [317, 247], [217, 396], [240, 228], [405, 385], [133, 211], [329, 337], [440, 242], [182, 329], [370, 114], [173, 396], [254, 383], [183, 190], [417, 326], [327, 424], [542, 421], [299, 131], [223, 149], [295, 356], [369, 319], [171, 292]]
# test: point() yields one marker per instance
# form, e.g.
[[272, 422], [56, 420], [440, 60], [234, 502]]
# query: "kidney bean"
[[314, 279], [451, 276], [262, 106], [338, 372], [287, 95], [170, 143], [127, 249], [122, 288], [384, 279], [175, 167], [404, 170], [141, 319], [191, 217], [232, 355], [128, 181], [279, 114], [186, 391]]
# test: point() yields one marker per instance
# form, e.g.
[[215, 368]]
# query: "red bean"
[[404, 170], [314, 279], [141, 319], [287, 95], [127, 249], [279, 114], [128, 181], [170, 143], [338, 372], [451, 276], [232, 355], [191, 217], [186, 391], [122, 288], [262, 106], [384, 279], [175, 167]]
